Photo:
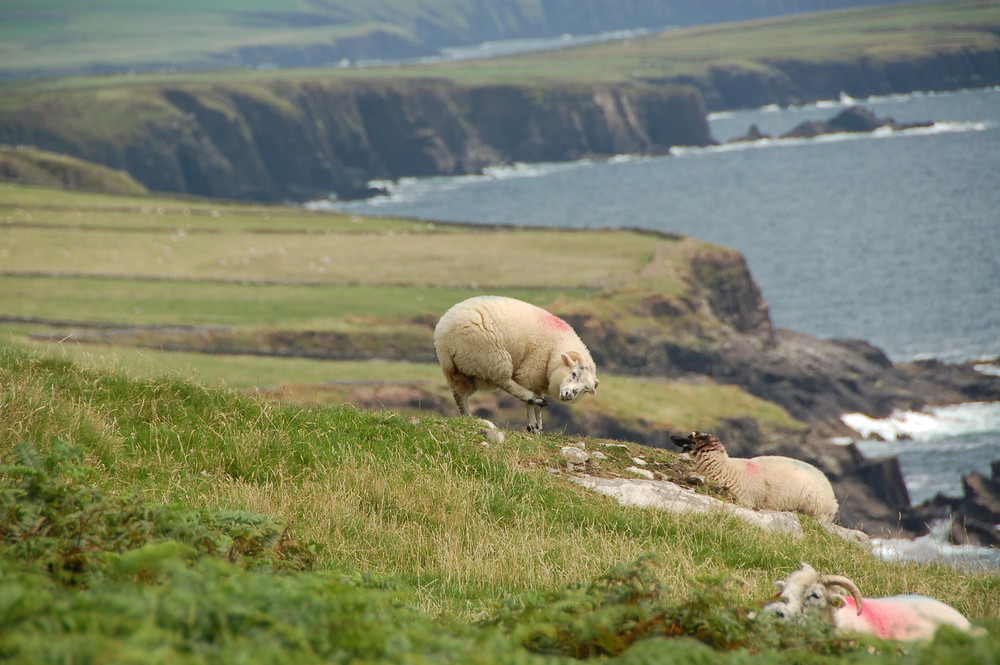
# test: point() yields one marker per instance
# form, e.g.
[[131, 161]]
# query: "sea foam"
[[934, 547], [932, 423], [880, 133]]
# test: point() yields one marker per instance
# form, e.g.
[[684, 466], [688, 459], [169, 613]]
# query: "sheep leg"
[[461, 385], [522, 393], [462, 402], [534, 418]]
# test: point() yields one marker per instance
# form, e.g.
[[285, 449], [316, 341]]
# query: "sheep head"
[[806, 590], [575, 377], [698, 442]]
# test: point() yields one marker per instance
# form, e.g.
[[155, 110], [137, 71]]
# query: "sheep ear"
[[780, 585], [571, 359], [597, 383]]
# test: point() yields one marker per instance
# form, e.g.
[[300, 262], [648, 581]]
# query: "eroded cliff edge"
[[294, 141]]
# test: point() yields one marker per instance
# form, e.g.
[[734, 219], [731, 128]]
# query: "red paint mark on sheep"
[[882, 619], [553, 321], [751, 468]]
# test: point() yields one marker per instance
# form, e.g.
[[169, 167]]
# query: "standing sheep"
[[771, 482], [491, 342], [907, 617]]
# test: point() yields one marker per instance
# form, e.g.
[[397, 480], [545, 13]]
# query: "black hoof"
[[538, 401]]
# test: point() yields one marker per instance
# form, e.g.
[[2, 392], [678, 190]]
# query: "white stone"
[[574, 455], [645, 473]]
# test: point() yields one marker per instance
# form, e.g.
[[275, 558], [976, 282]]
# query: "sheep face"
[[575, 377], [805, 590], [698, 443]]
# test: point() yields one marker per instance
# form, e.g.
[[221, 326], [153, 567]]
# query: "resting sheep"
[[771, 482], [907, 617], [490, 342]]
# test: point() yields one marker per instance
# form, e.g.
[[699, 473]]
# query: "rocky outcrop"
[[852, 120], [668, 496], [287, 141], [974, 518]]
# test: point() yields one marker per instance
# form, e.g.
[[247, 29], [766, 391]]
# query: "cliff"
[[289, 141], [801, 81]]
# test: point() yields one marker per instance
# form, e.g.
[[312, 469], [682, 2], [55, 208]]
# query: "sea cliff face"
[[293, 142], [787, 82]]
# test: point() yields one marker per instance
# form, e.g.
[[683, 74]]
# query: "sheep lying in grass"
[[771, 482], [893, 617], [490, 342]]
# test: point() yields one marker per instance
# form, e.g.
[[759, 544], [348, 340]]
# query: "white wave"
[[845, 99], [934, 547], [990, 369], [409, 189], [930, 424], [880, 133], [530, 170]]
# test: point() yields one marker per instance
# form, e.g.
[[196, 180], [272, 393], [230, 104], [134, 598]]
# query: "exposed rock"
[[974, 517], [665, 495], [853, 119], [753, 134], [491, 432], [574, 455]]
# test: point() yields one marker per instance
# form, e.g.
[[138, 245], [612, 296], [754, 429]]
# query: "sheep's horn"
[[844, 582]]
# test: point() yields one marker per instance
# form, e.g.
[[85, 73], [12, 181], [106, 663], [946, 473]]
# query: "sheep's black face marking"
[[683, 442]]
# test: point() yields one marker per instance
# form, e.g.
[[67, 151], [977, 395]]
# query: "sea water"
[[892, 237]]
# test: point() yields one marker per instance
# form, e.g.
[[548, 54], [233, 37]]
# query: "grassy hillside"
[[30, 166], [157, 520], [883, 33], [57, 36]]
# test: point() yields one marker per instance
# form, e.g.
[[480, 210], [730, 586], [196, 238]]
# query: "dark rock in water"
[[974, 516], [854, 119], [753, 134]]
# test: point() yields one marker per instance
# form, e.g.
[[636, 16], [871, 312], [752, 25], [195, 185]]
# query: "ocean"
[[891, 237]]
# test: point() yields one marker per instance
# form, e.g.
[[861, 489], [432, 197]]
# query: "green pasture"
[[881, 33], [55, 34], [82, 236], [291, 306]]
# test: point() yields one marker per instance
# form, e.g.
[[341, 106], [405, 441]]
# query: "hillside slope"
[[56, 37], [164, 521]]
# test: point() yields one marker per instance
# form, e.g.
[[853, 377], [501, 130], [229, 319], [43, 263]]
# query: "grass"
[[467, 532], [880, 33], [240, 244], [41, 167]]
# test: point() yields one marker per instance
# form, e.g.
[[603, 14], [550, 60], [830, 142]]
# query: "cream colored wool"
[[491, 342]]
